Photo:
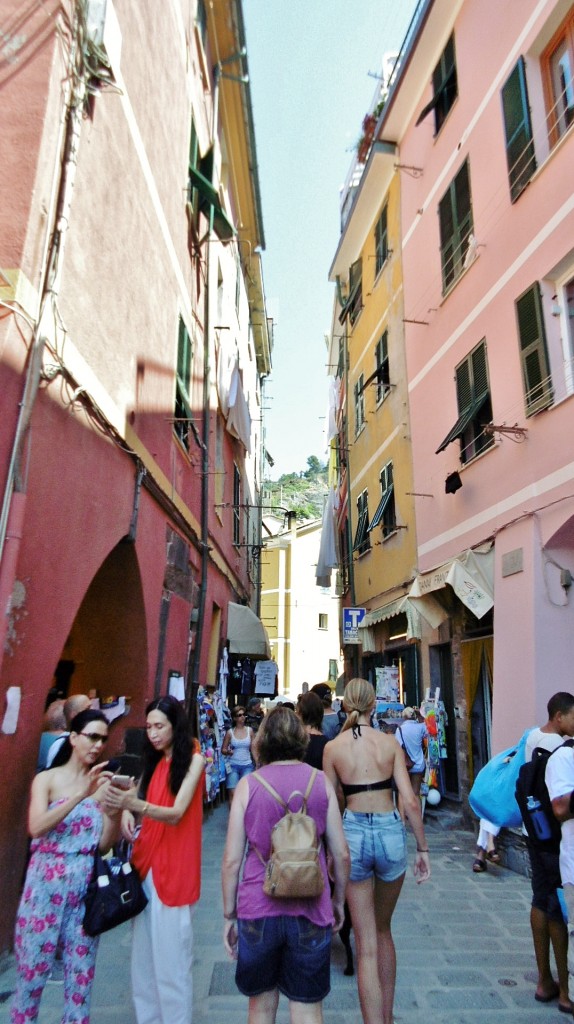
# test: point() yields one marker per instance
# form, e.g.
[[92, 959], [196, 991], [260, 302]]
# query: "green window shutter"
[[533, 352], [520, 154], [463, 387], [455, 224], [479, 372]]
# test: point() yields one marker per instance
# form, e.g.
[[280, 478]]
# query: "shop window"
[[382, 367], [182, 409], [362, 541], [444, 86], [385, 515], [518, 131], [536, 377], [236, 505], [557, 62], [474, 406], [455, 222], [359, 405], [381, 242], [323, 621]]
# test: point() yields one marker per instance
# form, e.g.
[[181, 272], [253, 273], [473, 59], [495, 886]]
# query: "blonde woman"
[[362, 763]]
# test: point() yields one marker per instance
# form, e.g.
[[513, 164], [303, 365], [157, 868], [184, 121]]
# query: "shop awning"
[[471, 576], [246, 632], [430, 609]]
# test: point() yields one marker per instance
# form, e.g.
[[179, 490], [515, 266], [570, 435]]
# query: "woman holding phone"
[[67, 824], [167, 856]]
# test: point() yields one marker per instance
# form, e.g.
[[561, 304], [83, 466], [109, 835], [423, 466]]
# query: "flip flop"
[[479, 866], [565, 1009], [550, 999]]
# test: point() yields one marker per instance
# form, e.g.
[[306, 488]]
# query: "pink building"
[[481, 112], [133, 346]]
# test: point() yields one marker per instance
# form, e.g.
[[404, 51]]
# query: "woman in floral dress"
[[66, 823]]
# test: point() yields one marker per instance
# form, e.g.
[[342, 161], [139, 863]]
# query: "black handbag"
[[114, 894]]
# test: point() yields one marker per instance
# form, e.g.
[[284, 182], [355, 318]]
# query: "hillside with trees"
[[302, 492]]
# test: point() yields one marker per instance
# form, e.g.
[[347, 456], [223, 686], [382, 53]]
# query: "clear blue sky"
[[309, 64]]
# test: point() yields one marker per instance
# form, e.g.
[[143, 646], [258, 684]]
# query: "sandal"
[[493, 857], [478, 866]]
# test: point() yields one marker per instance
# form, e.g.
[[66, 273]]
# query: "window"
[[323, 621], [382, 364], [381, 242], [201, 20], [474, 406], [385, 515], [355, 300], [362, 541], [558, 70], [444, 86], [182, 410], [359, 405], [455, 220], [518, 131], [533, 353], [236, 505]]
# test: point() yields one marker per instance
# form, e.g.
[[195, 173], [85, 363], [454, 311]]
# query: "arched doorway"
[[106, 652]]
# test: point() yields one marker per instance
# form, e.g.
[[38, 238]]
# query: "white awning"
[[246, 632], [471, 576], [435, 614]]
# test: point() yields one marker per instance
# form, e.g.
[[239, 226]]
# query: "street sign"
[[352, 619]]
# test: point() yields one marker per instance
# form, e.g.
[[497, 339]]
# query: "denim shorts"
[[545, 881], [377, 845], [237, 772], [288, 953]]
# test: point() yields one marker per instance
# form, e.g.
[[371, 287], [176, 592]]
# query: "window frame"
[[474, 400], [534, 346], [323, 625], [355, 301], [564, 34], [382, 367], [381, 240], [517, 122], [359, 392], [386, 513], [182, 404], [362, 540], [462, 227]]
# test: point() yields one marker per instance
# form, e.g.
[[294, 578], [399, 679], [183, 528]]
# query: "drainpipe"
[[195, 661]]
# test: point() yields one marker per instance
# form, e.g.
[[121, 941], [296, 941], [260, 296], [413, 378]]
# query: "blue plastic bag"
[[492, 795]]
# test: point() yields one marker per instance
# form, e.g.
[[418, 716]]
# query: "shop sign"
[[352, 619]]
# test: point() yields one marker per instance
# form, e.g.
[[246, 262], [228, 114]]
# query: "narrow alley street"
[[463, 946]]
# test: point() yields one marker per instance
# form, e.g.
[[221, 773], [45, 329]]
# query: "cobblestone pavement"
[[463, 941]]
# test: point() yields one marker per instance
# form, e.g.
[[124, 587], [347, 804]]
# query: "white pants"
[[486, 829], [162, 957]]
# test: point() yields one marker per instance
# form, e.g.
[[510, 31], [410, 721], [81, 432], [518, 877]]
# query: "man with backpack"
[[560, 782], [546, 919]]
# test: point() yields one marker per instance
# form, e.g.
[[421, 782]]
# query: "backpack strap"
[[296, 792], [266, 785]]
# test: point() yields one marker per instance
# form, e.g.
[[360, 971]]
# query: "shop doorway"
[[441, 677], [481, 721], [406, 660], [107, 644]]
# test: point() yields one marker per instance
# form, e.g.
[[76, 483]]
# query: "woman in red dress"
[[167, 856]]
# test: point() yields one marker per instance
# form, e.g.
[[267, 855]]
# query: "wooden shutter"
[[533, 353], [520, 155]]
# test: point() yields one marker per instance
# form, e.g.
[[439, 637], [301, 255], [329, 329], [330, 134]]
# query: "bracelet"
[[144, 809], [422, 851]]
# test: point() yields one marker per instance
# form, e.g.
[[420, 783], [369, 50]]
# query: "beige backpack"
[[293, 870]]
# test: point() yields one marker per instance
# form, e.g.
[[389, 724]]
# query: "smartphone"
[[122, 781]]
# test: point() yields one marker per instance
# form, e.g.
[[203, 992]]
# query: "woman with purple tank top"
[[281, 945]]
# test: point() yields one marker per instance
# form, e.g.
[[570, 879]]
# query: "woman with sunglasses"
[[67, 823], [236, 747], [167, 857]]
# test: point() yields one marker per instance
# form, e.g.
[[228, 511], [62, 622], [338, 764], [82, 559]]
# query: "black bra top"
[[367, 787]]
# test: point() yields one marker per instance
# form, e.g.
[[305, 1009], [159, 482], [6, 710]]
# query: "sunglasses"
[[95, 737], [240, 715]]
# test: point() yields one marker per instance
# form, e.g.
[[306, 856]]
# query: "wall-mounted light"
[[453, 483]]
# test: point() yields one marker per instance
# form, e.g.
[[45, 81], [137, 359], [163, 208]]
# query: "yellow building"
[[377, 526], [301, 619]]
